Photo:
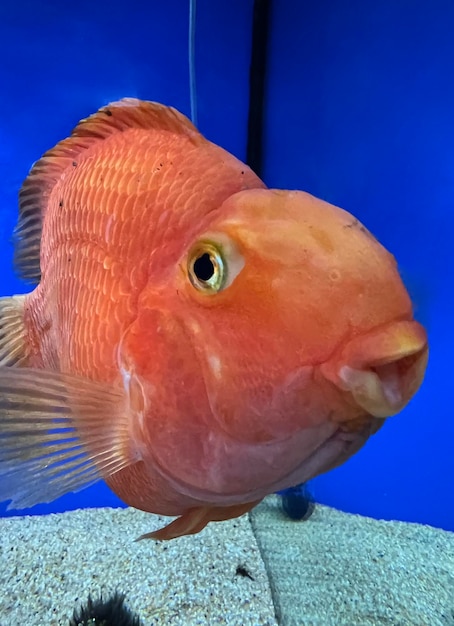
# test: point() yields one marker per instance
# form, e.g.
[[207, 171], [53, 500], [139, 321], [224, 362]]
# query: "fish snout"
[[382, 369]]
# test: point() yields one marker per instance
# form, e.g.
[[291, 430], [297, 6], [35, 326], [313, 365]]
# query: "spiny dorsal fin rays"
[[58, 433], [116, 117]]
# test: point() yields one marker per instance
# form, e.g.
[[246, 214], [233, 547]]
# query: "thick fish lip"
[[382, 369]]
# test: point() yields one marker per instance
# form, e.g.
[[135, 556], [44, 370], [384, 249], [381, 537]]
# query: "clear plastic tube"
[[191, 57]]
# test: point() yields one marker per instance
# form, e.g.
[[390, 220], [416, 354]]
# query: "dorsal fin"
[[113, 118]]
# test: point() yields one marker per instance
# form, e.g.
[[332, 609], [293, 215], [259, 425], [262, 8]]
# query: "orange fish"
[[196, 339]]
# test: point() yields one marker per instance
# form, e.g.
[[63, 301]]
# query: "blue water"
[[360, 112]]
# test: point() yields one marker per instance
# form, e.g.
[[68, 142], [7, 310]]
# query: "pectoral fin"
[[58, 433], [13, 346]]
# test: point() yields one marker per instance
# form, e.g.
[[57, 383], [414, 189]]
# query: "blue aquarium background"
[[359, 110]]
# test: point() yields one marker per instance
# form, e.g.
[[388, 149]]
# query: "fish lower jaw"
[[332, 451], [379, 395]]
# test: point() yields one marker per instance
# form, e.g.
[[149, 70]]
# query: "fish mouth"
[[383, 369]]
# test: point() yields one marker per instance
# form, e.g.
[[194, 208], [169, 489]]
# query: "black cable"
[[257, 76]]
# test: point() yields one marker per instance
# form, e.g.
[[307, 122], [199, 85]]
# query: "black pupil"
[[203, 267]]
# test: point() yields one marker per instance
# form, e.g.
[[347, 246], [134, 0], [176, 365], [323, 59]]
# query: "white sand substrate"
[[50, 564], [338, 569], [334, 569]]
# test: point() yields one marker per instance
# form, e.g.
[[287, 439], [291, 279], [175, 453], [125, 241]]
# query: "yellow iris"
[[207, 268]]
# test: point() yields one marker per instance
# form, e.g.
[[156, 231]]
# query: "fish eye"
[[207, 268]]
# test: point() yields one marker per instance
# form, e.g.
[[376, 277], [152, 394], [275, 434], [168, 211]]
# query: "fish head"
[[282, 340]]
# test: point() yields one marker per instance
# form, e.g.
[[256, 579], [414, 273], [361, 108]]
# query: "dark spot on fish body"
[[74, 164], [356, 223], [367, 232], [107, 112], [60, 204], [242, 172]]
